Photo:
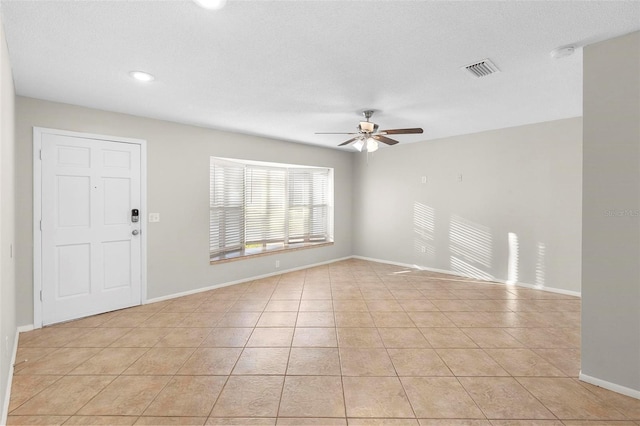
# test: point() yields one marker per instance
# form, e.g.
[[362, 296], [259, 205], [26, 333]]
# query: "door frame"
[[38, 133]]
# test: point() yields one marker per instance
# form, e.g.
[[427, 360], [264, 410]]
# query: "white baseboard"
[[541, 287], [7, 395], [195, 291], [407, 265], [244, 280], [633, 393], [25, 328], [458, 274]]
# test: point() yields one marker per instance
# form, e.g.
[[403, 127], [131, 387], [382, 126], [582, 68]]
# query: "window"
[[258, 207]]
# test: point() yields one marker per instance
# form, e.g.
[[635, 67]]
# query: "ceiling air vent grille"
[[482, 68]]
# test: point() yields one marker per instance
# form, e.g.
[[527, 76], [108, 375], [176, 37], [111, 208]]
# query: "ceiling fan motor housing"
[[367, 127]]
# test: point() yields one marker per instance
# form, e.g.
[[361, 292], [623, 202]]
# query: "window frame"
[[286, 242]]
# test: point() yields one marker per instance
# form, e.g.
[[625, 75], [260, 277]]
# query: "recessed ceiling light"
[[562, 52], [142, 76], [211, 4]]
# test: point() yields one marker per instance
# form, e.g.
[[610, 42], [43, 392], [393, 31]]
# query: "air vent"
[[482, 68]]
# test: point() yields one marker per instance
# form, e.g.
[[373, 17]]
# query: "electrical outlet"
[[154, 217], [424, 179], [459, 177], [277, 263]]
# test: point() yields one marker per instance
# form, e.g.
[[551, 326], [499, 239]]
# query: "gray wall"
[[178, 189], [611, 204], [7, 210], [523, 180]]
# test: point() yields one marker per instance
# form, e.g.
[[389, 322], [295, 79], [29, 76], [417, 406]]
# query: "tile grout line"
[[224, 385], [335, 323], [413, 410], [286, 367]]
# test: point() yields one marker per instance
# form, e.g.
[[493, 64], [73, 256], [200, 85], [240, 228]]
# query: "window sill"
[[269, 252]]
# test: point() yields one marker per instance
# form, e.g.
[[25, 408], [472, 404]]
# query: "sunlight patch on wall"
[[540, 267], [514, 255], [423, 228], [470, 241], [464, 268], [470, 247]]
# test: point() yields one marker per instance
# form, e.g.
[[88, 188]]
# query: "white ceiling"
[[286, 69]]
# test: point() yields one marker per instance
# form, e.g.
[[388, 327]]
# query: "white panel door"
[[91, 250]]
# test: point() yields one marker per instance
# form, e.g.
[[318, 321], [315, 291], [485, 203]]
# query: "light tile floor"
[[353, 342]]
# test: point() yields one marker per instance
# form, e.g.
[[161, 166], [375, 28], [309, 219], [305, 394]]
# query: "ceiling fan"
[[368, 135]]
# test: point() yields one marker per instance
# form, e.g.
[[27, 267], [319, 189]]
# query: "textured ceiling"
[[286, 69]]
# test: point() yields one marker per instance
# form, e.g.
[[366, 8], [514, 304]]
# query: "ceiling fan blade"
[[385, 139], [347, 142], [334, 133], [401, 131]]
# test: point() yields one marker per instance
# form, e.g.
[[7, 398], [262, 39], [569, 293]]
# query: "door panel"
[[73, 156], [116, 159], [74, 201], [91, 262], [117, 264], [74, 270], [117, 201]]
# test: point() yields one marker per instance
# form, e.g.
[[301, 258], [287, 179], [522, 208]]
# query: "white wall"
[[7, 208], [178, 189], [611, 227], [523, 180]]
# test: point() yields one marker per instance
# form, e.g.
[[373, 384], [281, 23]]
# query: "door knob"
[[135, 232]]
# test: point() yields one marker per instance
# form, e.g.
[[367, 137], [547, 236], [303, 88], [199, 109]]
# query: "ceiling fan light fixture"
[[359, 144], [211, 4], [366, 126], [372, 145]]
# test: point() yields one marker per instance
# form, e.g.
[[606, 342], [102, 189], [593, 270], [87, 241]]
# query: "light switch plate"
[[154, 217]]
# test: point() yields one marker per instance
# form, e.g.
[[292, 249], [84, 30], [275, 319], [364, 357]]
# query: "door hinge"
[[41, 225], [41, 154], [41, 295]]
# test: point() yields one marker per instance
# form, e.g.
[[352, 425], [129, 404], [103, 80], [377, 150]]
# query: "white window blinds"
[[226, 208], [258, 207], [265, 201], [308, 205]]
